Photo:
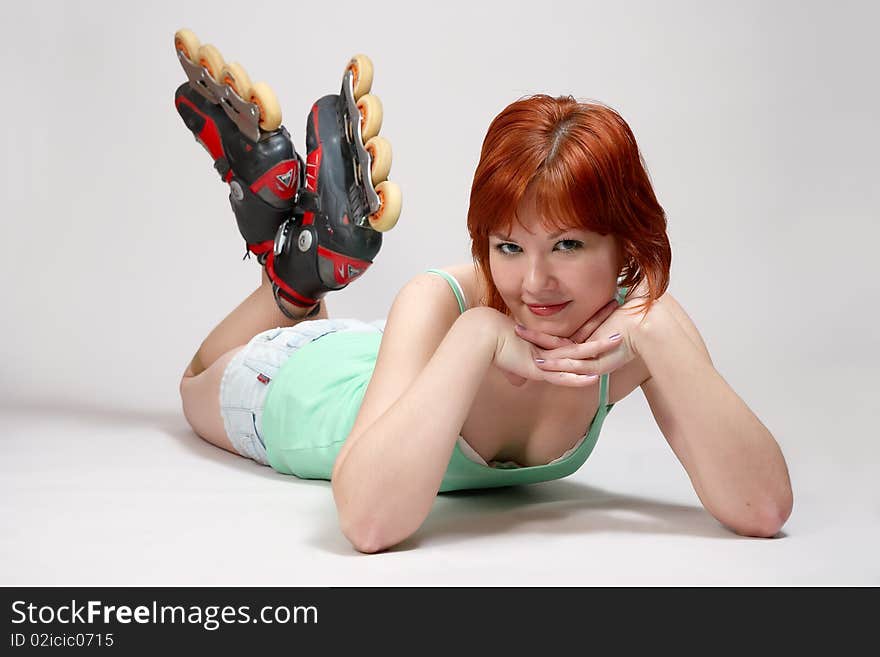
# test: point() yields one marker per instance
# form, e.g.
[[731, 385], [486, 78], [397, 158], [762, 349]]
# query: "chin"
[[552, 324]]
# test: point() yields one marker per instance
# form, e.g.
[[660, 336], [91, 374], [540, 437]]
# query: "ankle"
[[294, 312]]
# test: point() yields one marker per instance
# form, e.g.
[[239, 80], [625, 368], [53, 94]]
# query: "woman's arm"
[[734, 463], [387, 483]]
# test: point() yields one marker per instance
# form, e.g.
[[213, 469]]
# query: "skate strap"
[[308, 201]]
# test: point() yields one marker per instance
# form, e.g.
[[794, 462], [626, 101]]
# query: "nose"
[[538, 279]]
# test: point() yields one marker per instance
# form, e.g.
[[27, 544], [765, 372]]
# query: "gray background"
[[759, 125]]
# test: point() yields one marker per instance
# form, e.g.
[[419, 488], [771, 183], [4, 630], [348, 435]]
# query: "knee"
[[322, 314], [185, 385], [194, 368]]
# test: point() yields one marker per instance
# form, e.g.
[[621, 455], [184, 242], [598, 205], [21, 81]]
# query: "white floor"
[[760, 136], [104, 497]]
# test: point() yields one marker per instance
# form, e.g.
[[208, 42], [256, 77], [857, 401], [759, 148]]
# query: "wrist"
[[485, 326]]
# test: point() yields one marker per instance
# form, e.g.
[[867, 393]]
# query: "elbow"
[[365, 533], [768, 522], [368, 538], [777, 510], [367, 542]]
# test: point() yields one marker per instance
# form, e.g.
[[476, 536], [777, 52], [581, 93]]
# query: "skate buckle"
[[281, 238], [245, 115], [362, 157]]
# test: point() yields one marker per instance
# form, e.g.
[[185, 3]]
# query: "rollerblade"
[[239, 124], [315, 226]]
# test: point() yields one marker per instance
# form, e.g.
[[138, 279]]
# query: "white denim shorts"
[[246, 378]]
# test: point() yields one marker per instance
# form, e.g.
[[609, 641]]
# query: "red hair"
[[585, 165]]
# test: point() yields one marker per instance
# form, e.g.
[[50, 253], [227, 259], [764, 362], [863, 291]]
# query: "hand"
[[590, 351], [516, 350]]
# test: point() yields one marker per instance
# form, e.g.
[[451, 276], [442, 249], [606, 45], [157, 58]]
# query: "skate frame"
[[245, 115], [353, 133]]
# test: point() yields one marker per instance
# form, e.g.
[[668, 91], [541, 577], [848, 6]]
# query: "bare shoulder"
[[420, 317], [471, 283]]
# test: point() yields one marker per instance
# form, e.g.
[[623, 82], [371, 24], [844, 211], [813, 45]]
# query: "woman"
[[496, 372]]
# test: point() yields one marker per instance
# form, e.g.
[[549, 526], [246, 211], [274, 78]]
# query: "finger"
[[580, 367], [591, 349], [594, 322], [570, 380], [541, 339]]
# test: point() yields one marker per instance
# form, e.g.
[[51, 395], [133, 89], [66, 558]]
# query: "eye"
[[572, 245], [501, 246], [575, 244]]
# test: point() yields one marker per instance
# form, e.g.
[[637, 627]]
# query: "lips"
[[543, 311]]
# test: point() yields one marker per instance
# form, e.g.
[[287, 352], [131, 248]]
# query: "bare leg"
[[257, 313], [200, 385]]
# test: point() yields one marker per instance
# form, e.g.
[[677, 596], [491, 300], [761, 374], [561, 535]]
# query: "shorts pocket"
[[257, 431], [263, 370]]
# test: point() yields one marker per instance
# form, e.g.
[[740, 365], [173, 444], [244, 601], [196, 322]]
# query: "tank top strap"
[[456, 287], [605, 381]]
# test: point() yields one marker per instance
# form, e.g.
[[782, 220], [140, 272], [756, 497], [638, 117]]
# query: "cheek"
[[501, 275]]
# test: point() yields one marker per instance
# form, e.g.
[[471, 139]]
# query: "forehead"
[[538, 231], [544, 220]]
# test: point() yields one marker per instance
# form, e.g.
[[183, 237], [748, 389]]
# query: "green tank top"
[[467, 469], [313, 401]]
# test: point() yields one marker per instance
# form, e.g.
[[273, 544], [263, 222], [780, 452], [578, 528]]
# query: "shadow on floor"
[[552, 508], [93, 413], [558, 507], [169, 421]]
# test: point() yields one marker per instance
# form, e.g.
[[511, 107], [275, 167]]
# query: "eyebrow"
[[550, 237]]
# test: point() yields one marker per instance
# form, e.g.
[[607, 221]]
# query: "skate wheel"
[[270, 110], [385, 218], [371, 116], [362, 74], [234, 76], [186, 42], [379, 149], [211, 59]]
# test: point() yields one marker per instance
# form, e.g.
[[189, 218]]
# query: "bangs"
[[570, 196]]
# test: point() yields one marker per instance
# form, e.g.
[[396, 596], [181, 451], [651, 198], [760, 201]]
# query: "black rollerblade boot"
[[346, 202], [315, 226], [252, 152]]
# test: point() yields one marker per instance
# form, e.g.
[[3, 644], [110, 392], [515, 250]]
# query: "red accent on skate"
[[345, 268], [209, 136], [313, 166], [285, 290], [282, 180], [262, 378], [228, 176], [261, 247]]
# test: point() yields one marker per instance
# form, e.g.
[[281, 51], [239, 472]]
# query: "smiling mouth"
[[547, 310]]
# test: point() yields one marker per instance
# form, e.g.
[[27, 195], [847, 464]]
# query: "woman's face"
[[538, 266]]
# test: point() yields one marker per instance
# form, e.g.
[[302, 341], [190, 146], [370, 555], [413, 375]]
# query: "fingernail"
[[539, 360], [521, 327], [615, 337]]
